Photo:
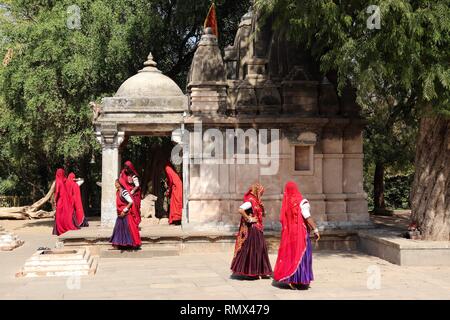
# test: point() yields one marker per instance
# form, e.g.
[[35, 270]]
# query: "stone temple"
[[262, 83]]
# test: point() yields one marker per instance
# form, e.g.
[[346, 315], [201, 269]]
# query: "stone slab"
[[388, 244], [8, 240], [57, 262]]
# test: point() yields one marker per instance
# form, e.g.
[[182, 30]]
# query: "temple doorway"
[[149, 154]]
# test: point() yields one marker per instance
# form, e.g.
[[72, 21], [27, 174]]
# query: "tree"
[[388, 146], [63, 54], [408, 53]]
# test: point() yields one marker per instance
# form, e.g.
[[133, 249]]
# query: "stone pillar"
[[110, 140], [332, 174], [186, 158], [357, 210]]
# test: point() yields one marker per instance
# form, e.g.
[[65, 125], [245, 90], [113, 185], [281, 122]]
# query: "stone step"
[[142, 253], [60, 262], [55, 273], [9, 240], [46, 263], [61, 255], [8, 237]]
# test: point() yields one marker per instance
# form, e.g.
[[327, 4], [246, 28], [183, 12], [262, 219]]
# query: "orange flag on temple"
[[211, 20]]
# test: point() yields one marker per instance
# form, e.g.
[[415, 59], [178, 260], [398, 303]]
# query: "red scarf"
[[74, 192], [127, 182], [257, 207], [258, 212], [121, 204], [64, 214], [293, 234], [175, 188]]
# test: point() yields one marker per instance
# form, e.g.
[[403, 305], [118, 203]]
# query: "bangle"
[[125, 210]]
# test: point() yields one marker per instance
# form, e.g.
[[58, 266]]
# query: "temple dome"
[[149, 82]]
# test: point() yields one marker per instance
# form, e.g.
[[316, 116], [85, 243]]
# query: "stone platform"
[[388, 244], [60, 263], [160, 238], [9, 241], [382, 240]]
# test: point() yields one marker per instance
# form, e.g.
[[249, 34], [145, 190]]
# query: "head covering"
[[64, 206], [290, 207], [253, 195], [175, 192], [293, 234], [60, 175], [74, 192], [127, 183], [131, 167], [71, 176]]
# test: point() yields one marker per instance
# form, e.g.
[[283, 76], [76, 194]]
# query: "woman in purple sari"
[[294, 261]]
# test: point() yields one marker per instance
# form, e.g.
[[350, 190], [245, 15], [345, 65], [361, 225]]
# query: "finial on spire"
[[150, 64]]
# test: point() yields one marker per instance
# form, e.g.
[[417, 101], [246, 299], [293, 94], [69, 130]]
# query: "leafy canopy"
[[59, 57], [408, 57]]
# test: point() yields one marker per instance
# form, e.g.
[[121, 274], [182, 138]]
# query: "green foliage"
[[57, 68], [409, 55], [397, 186], [397, 191]]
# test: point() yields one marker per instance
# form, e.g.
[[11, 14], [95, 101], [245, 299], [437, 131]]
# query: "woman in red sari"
[[129, 179], [250, 254], [175, 192], [73, 189], [294, 261], [65, 211], [126, 231]]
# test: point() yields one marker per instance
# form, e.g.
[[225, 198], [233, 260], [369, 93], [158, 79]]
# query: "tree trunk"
[[378, 189], [430, 193], [38, 204], [30, 212]]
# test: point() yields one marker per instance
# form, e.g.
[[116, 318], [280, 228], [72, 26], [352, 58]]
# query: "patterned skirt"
[[251, 257]]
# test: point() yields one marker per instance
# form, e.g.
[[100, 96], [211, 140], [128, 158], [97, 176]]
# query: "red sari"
[[65, 211], [127, 182], [126, 230], [293, 234], [250, 252], [73, 189], [175, 190]]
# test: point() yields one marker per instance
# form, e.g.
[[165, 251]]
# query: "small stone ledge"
[[388, 244], [9, 241]]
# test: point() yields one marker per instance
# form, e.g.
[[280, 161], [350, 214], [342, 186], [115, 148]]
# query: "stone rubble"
[[8, 240]]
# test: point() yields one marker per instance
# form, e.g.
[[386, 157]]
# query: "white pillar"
[[110, 171], [186, 157]]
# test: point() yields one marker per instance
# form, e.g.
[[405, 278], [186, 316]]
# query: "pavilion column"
[[110, 140], [186, 158]]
